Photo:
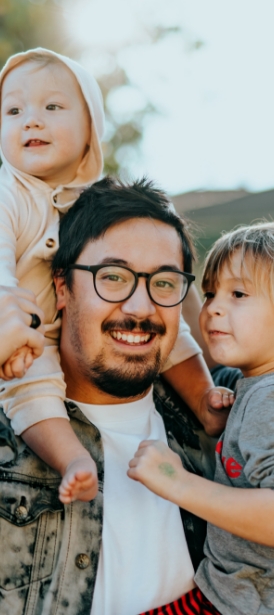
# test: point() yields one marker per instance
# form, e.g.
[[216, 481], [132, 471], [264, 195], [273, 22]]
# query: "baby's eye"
[[13, 111], [239, 294], [53, 107]]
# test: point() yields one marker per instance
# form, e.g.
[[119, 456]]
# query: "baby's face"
[[45, 124]]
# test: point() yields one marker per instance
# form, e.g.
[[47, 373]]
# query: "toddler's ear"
[[60, 289]]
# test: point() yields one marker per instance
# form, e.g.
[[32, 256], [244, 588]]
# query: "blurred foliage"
[[25, 24], [122, 137]]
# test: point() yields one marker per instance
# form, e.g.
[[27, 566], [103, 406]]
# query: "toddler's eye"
[[208, 295], [239, 294], [53, 107]]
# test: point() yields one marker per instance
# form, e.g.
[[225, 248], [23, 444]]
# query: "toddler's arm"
[[191, 379], [232, 509], [188, 374]]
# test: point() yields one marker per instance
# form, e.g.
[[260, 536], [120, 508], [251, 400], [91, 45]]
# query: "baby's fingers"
[[6, 372], [18, 367]]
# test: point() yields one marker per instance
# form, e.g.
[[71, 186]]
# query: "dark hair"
[[107, 203]]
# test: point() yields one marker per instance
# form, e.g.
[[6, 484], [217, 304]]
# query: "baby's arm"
[[35, 404], [232, 509], [36, 409]]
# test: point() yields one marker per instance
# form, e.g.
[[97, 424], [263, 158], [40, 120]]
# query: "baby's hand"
[[157, 467], [17, 365], [79, 481], [215, 407]]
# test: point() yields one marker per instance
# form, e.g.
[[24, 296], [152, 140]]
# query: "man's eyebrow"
[[111, 260]]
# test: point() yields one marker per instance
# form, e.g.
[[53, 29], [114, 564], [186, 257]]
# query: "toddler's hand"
[[215, 407], [17, 365], [157, 467]]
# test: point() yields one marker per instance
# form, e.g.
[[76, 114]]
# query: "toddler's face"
[[237, 321], [45, 124]]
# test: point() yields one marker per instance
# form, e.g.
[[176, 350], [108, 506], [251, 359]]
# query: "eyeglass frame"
[[141, 274]]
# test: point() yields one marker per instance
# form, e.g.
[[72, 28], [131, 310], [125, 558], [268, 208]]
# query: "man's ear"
[[61, 291]]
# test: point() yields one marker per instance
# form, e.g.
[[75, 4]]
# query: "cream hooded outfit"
[[29, 224]]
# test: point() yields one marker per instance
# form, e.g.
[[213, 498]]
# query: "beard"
[[135, 375], [133, 379]]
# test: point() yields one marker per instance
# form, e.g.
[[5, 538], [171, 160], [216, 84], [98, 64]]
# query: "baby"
[[237, 321], [52, 121], [51, 126]]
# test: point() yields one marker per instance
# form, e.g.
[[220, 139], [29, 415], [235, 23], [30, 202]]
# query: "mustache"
[[129, 324]]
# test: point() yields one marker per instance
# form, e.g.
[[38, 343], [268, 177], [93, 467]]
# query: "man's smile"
[[128, 332], [132, 338]]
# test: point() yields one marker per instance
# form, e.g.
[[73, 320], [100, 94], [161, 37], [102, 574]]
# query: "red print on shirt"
[[232, 467]]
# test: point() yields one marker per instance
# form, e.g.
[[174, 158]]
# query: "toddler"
[[51, 126], [237, 321]]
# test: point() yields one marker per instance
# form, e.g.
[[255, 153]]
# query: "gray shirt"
[[238, 575]]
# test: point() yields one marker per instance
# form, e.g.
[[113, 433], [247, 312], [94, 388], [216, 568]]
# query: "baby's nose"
[[33, 121]]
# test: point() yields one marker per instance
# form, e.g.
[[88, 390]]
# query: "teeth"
[[131, 338]]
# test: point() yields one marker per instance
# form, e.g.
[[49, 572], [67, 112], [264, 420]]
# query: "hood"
[[91, 166]]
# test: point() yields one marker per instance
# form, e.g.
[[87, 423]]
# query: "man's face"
[[45, 126], [112, 351]]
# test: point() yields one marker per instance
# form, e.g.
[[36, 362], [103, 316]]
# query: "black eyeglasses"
[[166, 287]]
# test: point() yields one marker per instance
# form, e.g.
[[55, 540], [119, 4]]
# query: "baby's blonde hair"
[[255, 243]]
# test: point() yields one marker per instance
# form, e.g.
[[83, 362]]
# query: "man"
[[121, 273]]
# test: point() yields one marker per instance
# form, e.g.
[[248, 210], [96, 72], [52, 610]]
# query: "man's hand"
[[214, 409], [20, 344]]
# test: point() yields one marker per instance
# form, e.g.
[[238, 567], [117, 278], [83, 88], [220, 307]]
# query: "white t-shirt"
[[144, 560]]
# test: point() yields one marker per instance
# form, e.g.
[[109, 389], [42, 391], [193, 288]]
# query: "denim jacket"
[[50, 552]]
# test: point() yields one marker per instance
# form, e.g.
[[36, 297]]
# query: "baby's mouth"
[[35, 143]]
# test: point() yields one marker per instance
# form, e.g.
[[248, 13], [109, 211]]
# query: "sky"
[[214, 128]]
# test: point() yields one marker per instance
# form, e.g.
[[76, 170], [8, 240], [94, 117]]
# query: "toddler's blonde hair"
[[256, 246]]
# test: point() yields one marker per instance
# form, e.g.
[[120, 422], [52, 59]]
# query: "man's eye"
[[53, 107], [112, 278], [164, 284]]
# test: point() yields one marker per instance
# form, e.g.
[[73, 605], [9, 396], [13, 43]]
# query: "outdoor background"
[[188, 91]]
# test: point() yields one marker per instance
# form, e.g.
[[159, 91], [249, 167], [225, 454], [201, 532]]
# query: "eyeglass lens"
[[115, 283]]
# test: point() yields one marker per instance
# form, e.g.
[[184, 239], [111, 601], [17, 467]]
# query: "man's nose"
[[139, 304]]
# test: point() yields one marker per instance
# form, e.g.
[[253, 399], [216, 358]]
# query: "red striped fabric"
[[192, 603]]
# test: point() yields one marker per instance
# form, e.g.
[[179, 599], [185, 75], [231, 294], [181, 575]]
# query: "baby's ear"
[[61, 291]]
